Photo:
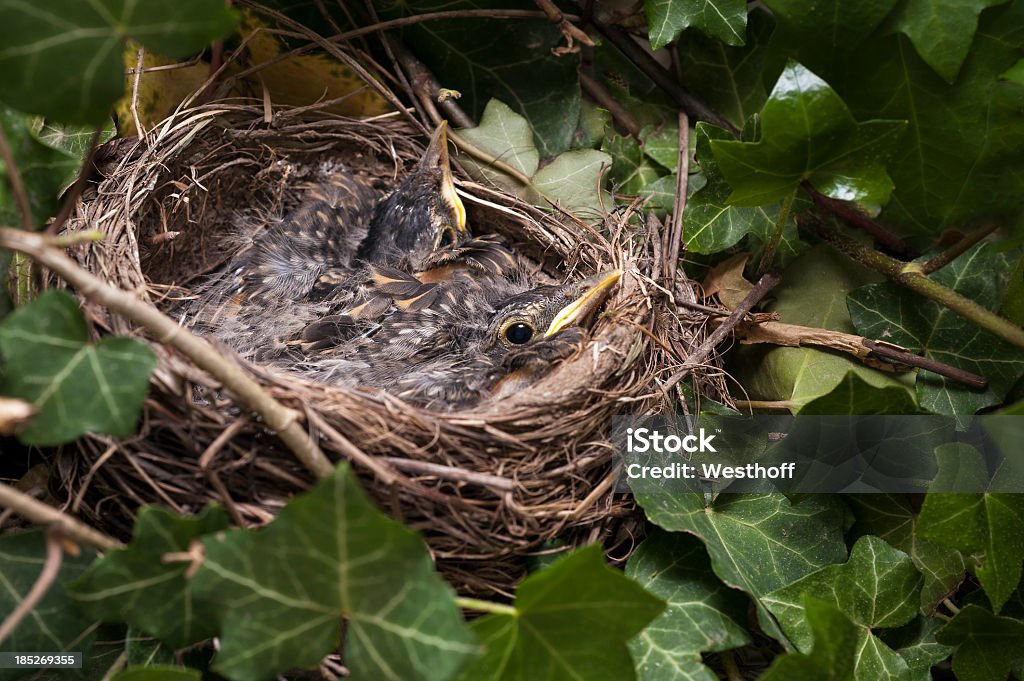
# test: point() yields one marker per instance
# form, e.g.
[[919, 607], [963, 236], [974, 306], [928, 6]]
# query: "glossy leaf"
[[75, 49], [809, 134], [158, 673], [77, 385], [631, 169], [281, 592], [572, 621], [725, 20], [138, 586], [877, 588], [508, 137], [891, 518], [703, 615], [892, 313], [573, 181], [987, 645], [941, 30], [989, 524], [835, 644]]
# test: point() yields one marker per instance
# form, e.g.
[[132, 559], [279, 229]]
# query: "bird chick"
[[480, 336]]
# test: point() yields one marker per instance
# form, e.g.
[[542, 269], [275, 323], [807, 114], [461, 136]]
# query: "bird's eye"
[[518, 333], [446, 239]]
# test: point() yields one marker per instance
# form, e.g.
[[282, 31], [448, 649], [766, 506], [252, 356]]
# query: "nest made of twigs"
[[486, 486]]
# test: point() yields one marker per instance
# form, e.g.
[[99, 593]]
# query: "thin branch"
[[780, 225], [765, 284], [17, 186], [450, 473], [42, 514], [675, 237], [47, 576], [620, 114], [896, 354], [71, 198], [277, 417], [489, 607], [571, 33], [910, 276], [426, 87], [888, 239], [139, 130], [957, 249]]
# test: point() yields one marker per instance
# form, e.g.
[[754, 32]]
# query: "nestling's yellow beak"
[[437, 156], [596, 290]]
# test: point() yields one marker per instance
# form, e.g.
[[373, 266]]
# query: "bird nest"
[[486, 487]]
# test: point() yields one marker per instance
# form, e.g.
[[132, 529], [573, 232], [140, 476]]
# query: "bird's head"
[[539, 314], [422, 216]]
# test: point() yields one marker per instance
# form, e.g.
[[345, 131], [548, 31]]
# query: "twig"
[[957, 249], [597, 92], [449, 473], [780, 226], [47, 576], [17, 186], [765, 284], [485, 606], [675, 237], [426, 87], [696, 109], [894, 354], [571, 33], [732, 670], [43, 514], [910, 276], [139, 130], [277, 417], [71, 198], [888, 239]]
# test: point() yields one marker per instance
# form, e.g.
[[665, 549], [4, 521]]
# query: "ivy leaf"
[[950, 167], [570, 620], [1015, 73], [877, 588], [78, 386], [75, 49], [729, 79], [514, 64], [506, 135], [813, 294], [710, 223], [835, 646], [158, 673], [987, 645], [988, 524], [941, 30], [702, 616], [573, 181], [282, 591], [808, 133], [722, 19], [136, 585], [631, 170], [891, 518], [892, 313], [915, 643], [56, 624]]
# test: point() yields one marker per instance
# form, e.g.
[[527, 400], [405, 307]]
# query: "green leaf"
[[813, 294], [136, 585], [835, 645], [941, 30], [158, 673], [508, 137], [44, 169], [854, 395], [891, 518], [809, 134], [702, 616], [1015, 73], [877, 588], [890, 312], [631, 170], [74, 48], [514, 64], [728, 79], [573, 181], [56, 624], [282, 591], [951, 166], [722, 19], [916, 644], [989, 524], [710, 223], [987, 645], [571, 621], [78, 386]]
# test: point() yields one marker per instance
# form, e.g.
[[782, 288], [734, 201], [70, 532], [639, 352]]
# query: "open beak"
[[437, 157], [595, 290]]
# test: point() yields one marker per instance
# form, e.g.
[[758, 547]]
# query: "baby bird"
[[312, 261], [480, 337]]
